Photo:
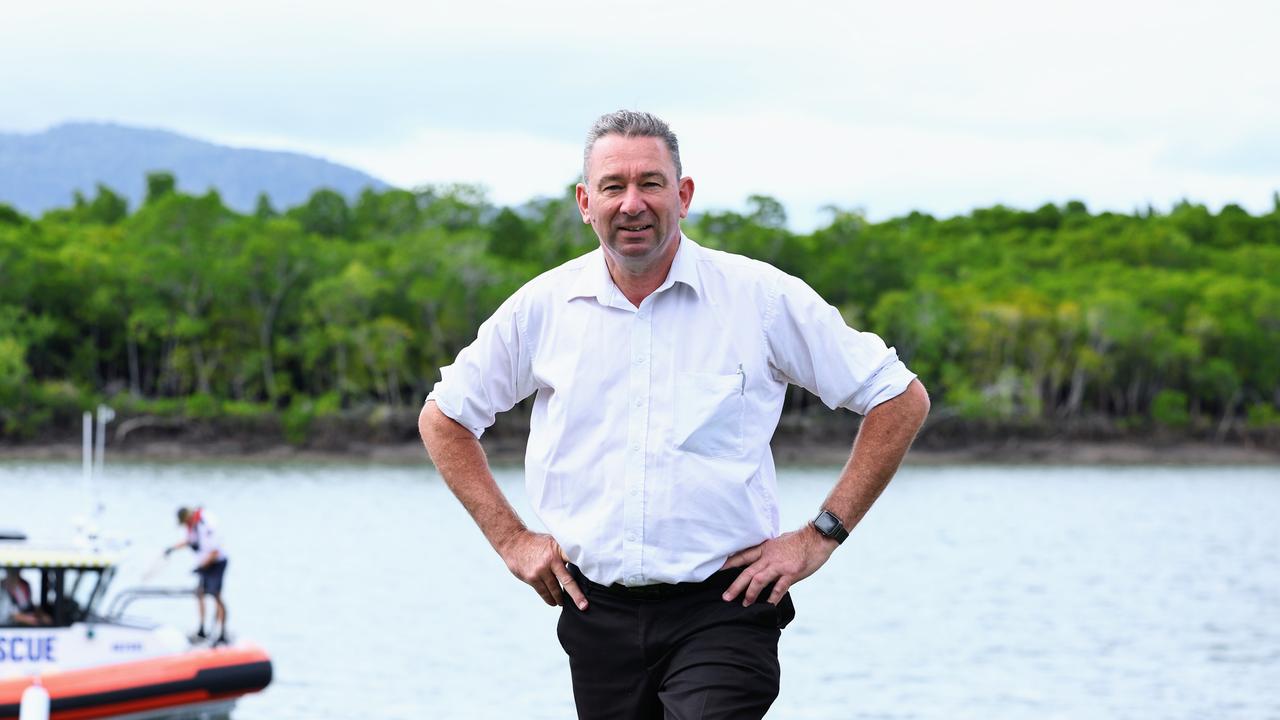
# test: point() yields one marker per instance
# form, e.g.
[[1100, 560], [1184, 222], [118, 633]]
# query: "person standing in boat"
[[211, 565], [660, 368]]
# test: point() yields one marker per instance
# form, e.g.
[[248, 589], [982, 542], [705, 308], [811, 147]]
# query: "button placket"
[[637, 442]]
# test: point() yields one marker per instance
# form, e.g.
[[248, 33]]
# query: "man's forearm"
[[535, 558], [883, 440], [463, 465]]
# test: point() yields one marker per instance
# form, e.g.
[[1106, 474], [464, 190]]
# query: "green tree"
[[263, 209], [159, 184], [510, 237], [10, 216], [325, 213]]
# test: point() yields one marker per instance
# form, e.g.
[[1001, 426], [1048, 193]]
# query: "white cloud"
[[514, 167]]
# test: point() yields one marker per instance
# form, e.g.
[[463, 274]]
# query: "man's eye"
[[653, 184], [612, 188]]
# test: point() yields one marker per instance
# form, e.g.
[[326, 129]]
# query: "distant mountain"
[[42, 171]]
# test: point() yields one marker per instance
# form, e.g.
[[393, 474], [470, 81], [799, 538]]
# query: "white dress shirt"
[[648, 456]]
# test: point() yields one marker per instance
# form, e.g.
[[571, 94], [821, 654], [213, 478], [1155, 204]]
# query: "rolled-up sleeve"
[[490, 375], [810, 345]]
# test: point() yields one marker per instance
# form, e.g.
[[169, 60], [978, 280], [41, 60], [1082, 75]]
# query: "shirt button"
[[635, 446], [635, 491], [634, 579], [631, 537], [639, 401]]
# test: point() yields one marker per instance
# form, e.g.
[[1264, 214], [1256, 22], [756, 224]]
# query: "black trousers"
[[676, 653]]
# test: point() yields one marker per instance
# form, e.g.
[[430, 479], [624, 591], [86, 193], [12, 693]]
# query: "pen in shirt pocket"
[[743, 389]]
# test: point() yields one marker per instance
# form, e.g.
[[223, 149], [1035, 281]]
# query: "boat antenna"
[[93, 458]]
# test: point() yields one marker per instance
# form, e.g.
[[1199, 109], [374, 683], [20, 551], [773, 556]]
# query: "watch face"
[[826, 523]]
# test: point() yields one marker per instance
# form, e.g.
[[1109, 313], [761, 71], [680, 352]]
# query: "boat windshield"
[[50, 596]]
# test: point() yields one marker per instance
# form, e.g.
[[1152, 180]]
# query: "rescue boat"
[[108, 665]]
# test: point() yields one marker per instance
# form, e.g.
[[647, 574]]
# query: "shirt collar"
[[684, 268], [594, 280]]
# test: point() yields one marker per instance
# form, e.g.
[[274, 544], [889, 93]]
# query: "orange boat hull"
[[172, 681]]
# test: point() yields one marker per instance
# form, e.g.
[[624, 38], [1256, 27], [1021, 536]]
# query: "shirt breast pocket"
[[709, 411]]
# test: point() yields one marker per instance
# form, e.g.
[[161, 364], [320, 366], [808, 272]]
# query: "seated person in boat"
[[18, 592]]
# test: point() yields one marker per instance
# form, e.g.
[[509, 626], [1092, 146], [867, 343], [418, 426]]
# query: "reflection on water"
[[195, 715], [974, 592]]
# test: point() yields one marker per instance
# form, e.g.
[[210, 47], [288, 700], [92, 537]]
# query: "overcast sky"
[[883, 107]]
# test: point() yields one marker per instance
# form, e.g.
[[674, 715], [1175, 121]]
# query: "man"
[[659, 369], [211, 565]]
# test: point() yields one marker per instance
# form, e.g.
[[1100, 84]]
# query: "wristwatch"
[[830, 526]]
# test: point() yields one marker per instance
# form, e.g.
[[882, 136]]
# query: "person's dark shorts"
[[211, 577]]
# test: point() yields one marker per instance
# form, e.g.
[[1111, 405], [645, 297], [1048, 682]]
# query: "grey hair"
[[630, 123]]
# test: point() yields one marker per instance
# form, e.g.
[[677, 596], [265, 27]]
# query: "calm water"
[[974, 592]]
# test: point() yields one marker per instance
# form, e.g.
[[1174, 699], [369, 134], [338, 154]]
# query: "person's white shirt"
[[648, 457], [205, 539]]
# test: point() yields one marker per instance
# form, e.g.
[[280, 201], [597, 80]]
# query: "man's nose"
[[632, 201]]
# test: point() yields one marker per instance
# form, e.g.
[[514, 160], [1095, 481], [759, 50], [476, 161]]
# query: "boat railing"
[[121, 602]]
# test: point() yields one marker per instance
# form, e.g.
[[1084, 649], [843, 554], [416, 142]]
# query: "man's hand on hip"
[[783, 561], [536, 558]]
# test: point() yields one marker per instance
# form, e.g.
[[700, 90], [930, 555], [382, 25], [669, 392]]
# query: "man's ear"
[[686, 195], [580, 192]]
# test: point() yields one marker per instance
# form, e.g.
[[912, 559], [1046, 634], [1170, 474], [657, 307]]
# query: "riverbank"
[[384, 435], [505, 451]]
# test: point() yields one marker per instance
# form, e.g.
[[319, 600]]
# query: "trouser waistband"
[[719, 581]]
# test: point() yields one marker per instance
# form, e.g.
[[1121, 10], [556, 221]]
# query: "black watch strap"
[[827, 524]]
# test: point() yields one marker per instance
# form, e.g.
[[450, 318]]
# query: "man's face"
[[633, 200]]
